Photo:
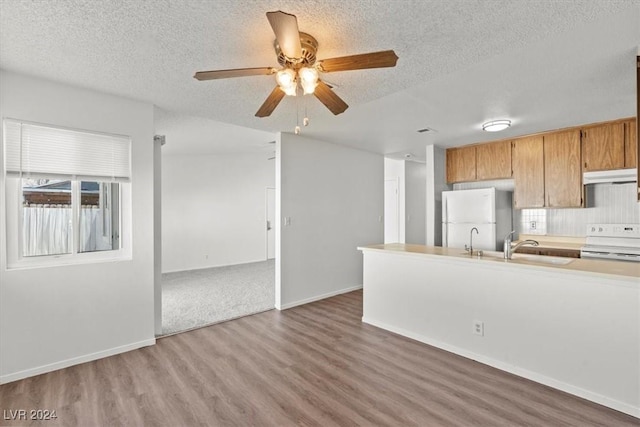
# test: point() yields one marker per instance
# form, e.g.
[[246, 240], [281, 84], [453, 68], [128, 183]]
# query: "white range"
[[620, 242]]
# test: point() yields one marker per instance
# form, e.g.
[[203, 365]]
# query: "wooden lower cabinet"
[[562, 170], [567, 253], [527, 157]]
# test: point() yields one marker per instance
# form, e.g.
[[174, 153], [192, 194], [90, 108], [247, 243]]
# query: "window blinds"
[[35, 149]]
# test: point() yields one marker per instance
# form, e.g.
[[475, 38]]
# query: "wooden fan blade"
[[285, 27], [271, 102], [328, 97], [237, 72], [385, 58]]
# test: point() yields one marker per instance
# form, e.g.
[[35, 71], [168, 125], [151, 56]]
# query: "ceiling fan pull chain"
[[305, 120], [297, 128]]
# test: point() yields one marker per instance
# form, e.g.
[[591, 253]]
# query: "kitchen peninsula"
[[570, 324]]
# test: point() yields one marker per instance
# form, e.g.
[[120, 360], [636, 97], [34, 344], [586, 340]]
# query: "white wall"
[[213, 209], [333, 196], [395, 170], [59, 316], [436, 183], [415, 202], [157, 234]]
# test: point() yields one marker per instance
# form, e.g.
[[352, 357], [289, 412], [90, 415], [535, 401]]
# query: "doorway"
[[217, 264]]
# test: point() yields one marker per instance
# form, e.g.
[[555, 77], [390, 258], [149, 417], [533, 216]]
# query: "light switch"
[[287, 220]]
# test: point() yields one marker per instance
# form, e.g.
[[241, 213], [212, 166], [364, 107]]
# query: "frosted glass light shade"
[[308, 79], [496, 125], [286, 79]]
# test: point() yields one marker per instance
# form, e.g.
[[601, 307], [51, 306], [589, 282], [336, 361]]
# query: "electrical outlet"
[[478, 327], [287, 220], [532, 225]]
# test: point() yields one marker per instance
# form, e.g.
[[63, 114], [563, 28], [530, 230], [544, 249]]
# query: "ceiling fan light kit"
[[296, 54], [496, 125]]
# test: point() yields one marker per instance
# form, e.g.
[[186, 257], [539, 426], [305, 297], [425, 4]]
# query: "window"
[[48, 212], [66, 194]]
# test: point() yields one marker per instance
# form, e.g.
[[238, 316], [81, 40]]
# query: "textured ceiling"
[[543, 63]]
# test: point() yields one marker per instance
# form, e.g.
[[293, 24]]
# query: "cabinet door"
[[493, 160], [603, 147], [630, 144], [562, 171], [461, 164], [527, 157], [567, 253]]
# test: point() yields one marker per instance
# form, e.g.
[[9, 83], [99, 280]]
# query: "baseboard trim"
[[318, 297], [533, 376], [74, 361], [216, 266]]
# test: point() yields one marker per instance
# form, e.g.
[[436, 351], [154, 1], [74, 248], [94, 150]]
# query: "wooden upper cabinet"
[[493, 160], [630, 144], [527, 157], [562, 170], [603, 147], [461, 164]]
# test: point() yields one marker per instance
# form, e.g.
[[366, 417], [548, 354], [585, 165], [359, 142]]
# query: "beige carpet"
[[192, 299]]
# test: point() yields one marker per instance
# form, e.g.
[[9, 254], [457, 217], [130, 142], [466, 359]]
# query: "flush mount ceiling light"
[[496, 125]]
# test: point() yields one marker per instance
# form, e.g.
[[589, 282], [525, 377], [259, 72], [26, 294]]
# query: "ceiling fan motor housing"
[[308, 58]]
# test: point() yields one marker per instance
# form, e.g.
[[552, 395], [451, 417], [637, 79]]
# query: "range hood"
[[617, 175]]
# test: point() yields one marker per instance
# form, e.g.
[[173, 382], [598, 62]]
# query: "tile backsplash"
[[607, 203]]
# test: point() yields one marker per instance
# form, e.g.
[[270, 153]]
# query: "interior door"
[[391, 209], [271, 223]]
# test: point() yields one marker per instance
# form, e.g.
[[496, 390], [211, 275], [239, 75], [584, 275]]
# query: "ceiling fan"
[[296, 52]]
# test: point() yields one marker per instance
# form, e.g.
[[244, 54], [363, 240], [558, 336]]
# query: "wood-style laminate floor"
[[316, 365]]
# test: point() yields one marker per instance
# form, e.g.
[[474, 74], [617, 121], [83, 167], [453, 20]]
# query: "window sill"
[[50, 261]]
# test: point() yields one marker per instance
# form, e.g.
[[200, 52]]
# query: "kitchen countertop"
[[620, 269]]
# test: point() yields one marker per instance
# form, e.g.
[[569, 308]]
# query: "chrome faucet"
[[509, 249], [470, 247]]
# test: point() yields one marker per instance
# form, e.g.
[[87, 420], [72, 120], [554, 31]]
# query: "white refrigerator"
[[487, 209]]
